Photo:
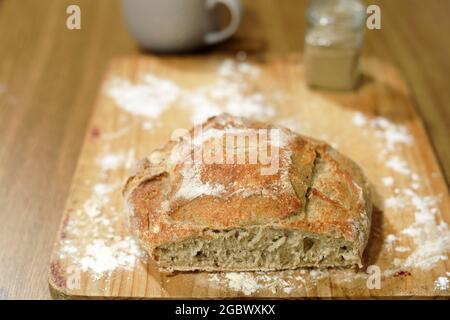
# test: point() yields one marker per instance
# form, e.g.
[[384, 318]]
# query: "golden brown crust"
[[315, 189]]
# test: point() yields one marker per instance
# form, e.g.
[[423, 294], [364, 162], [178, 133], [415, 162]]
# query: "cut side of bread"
[[256, 248], [309, 208]]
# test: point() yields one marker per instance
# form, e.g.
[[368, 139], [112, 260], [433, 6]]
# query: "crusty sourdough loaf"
[[312, 211]]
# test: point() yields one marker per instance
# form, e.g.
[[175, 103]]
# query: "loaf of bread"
[[238, 195]]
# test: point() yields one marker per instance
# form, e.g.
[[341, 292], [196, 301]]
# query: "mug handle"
[[235, 10]]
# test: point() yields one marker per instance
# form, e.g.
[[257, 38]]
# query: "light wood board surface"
[[376, 126]]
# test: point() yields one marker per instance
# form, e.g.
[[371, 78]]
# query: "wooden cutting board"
[[144, 99]]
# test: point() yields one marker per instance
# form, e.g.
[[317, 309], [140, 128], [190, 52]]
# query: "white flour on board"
[[442, 283], [388, 181], [428, 232], [101, 257], [230, 93], [250, 282], [390, 134], [116, 160]]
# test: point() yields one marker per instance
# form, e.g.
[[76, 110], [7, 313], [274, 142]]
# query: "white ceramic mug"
[[178, 25]]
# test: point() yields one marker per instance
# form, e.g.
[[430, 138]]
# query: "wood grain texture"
[[114, 131], [49, 77]]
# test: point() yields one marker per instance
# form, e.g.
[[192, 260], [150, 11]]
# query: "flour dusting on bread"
[[192, 187]]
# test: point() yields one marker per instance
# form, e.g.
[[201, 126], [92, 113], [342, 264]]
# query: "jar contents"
[[333, 43]]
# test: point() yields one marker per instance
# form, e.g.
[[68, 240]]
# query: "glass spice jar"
[[333, 43]]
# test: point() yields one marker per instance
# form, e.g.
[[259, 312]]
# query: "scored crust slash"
[[314, 211]]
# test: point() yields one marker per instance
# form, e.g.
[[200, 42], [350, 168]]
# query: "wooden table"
[[49, 77]]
